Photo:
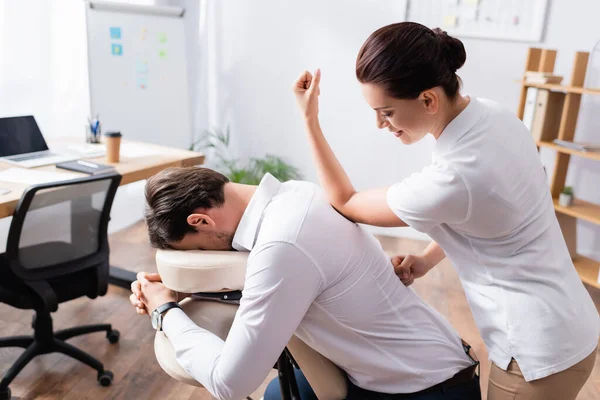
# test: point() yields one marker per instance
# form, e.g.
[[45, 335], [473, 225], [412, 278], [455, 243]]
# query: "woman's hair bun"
[[454, 49]]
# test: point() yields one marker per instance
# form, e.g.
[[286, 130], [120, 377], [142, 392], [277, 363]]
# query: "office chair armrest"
[[44, 290], [102, 275]]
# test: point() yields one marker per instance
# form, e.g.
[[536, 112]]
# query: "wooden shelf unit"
[[594, 155], [587, 269], [560, 88], [581, 209], [542, 60]]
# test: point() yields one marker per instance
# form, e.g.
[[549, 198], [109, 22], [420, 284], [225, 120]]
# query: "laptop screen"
[[20, 135]]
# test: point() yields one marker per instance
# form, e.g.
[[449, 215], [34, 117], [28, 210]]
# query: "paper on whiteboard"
[[134, 150], [33, 177]]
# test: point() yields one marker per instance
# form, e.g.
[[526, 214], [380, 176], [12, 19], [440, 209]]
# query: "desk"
[[149, 160]]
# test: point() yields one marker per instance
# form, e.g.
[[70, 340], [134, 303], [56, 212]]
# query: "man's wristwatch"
[[157, 314]]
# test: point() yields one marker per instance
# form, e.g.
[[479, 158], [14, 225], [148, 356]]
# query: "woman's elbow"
[[341, 203]]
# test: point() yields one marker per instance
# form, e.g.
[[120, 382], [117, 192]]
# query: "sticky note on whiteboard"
[[472, 3], [450, 21], [141, 66], [142, 81], [117, 49], [115, 32]]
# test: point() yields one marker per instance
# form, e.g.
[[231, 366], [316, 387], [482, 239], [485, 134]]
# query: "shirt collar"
[[460, 125], [247, 230]]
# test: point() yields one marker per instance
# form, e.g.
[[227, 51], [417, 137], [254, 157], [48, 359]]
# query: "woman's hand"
[[410, 267], [306, 89]]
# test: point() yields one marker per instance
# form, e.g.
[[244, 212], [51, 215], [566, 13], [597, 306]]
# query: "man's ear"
[[200, 221], [430, 100]]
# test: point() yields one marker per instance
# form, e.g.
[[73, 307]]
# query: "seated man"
[[310, 272]]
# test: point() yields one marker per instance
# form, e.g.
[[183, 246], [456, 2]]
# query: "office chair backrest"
[[61, 227]]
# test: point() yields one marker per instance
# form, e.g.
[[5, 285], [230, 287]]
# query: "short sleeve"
[[437, 195]]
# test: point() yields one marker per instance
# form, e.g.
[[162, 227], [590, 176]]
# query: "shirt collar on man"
[[460, 125], [245, 234]]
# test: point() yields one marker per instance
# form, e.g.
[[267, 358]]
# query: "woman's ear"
[[430, 99], [200, 221]]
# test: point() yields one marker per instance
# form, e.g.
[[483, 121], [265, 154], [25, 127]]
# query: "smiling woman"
[[496, 224]]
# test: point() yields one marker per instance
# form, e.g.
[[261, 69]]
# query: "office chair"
[[57, 250]]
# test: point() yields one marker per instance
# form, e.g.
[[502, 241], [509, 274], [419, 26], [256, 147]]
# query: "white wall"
[[261, 47]]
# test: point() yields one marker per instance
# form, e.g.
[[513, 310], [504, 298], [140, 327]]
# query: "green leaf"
[[250, 173]]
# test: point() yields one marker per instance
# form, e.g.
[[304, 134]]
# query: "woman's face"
[[408, 120]]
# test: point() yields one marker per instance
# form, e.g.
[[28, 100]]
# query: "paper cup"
[[113, 146]]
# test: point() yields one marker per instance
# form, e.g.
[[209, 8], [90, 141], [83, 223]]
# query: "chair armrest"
[[44, 290], [211, 315]]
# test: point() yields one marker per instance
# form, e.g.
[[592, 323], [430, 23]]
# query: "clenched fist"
[[306, 89], [410, 267]]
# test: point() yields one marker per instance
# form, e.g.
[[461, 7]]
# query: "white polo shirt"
[[485, 200], [314, 273]]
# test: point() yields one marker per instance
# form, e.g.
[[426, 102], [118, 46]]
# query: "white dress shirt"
[[312, 272], [485, 201]]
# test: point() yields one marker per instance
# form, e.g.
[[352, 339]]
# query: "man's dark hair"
[[173, 194]]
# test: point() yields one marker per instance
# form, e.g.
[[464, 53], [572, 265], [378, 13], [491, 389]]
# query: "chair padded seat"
[[194, 271], [14, 292]]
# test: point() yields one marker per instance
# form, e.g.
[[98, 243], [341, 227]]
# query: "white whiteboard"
[[522, 20], [137, 71]]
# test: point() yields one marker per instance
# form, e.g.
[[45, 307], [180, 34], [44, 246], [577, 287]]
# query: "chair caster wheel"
[[113, 336], [105, 378], [5, 394]]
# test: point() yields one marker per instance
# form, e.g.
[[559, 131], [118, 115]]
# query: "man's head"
[[187, 209]]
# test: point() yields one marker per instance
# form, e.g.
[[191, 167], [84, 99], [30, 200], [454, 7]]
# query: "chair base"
[[45, 341]]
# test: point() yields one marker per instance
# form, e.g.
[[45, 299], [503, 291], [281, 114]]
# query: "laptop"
[[22, 144]]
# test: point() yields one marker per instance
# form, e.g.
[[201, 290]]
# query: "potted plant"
[[565, 198], [249, 173]]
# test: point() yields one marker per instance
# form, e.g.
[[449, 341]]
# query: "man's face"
[[211, 240], [214, 229]]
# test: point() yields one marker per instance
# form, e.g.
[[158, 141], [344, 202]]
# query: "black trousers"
[[466, 391]]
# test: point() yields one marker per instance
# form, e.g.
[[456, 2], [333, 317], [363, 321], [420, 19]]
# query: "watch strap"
[[162, 309], [167, 306]]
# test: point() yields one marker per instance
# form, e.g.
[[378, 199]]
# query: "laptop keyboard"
[[32, 156]]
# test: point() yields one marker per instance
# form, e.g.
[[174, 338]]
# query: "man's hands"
[[306, 89], [148, 292]]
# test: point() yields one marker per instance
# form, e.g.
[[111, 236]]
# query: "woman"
[[484, 201]]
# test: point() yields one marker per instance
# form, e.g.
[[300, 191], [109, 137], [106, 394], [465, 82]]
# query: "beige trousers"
[[564, 385]]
